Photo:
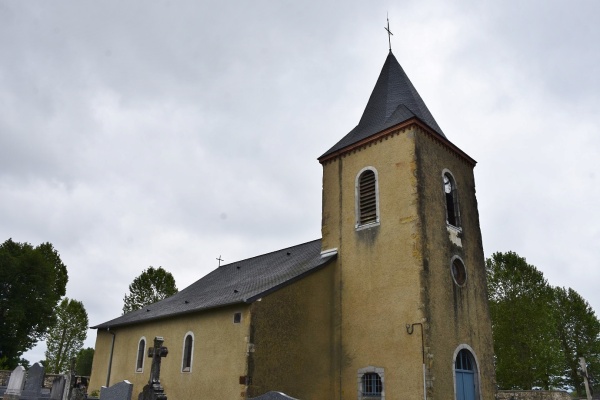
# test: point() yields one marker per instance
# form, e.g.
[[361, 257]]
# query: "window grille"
[[187, 353], [371, 385], [140, 356], [367, 200], [463, 361]]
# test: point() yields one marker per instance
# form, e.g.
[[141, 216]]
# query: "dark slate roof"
[[239, 282], [394, 100]]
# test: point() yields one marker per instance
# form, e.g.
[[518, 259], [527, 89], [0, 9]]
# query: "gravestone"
[[70, 381], [118, 391], [154, 390], [33, 383], [58, 388], [79, 388], [15, 384], [273, 396]]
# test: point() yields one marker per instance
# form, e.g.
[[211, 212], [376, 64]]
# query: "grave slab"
[[119, 391], [15, 384]]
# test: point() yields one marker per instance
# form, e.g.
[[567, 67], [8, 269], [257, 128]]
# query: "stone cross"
[[156, 353], [154, 390]]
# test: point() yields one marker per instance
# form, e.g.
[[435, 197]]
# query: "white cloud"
[[169, 133]]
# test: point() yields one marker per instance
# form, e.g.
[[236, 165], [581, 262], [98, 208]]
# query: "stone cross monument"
[[154, 390]]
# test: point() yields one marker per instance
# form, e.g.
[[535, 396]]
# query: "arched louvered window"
[[188, 351], [451, 196], [139, 365], [367, 207]]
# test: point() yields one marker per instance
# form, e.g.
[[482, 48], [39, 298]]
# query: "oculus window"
[[459, 272]]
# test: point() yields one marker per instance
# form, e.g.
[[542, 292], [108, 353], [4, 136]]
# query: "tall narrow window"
[[139, 365], [188, 348], [450, 193], [367, 208]]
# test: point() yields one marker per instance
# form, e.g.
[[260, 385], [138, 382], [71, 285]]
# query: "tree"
[[154, 284], [83, 364], [528, 353], [32, 281], [66, 336], [24, 363], [579, 335]]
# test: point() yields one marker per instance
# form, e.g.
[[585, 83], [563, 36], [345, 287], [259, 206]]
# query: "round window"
[[459, 273]]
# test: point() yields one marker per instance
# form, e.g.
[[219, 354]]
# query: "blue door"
[[465, 376]]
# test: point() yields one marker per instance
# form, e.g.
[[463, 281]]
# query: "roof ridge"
[[265, 254]]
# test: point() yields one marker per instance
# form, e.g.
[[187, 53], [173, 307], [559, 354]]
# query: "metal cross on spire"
[[220, 259], [390, 34]]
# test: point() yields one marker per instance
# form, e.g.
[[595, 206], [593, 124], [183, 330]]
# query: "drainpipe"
[[112, 349], [410, 329]]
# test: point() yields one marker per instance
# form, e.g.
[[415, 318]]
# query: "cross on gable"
[[390, 34]]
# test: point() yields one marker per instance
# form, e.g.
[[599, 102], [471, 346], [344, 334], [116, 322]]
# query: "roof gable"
[[240, 282], [394, 100]]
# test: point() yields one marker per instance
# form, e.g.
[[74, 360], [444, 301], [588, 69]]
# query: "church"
[[390, 303]]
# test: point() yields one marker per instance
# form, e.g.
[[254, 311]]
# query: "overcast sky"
[[169, 133]]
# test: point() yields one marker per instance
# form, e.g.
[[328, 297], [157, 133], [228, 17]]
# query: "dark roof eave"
[[378, 135], [159, 317]]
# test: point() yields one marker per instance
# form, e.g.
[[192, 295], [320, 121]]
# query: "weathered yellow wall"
[[219, 356], [456, 315], [378, 269], [399, 273], [292, 337]]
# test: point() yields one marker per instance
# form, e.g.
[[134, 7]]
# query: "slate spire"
[[394, 100]]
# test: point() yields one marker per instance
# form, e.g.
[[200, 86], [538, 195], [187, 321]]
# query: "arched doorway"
[[465, 372]]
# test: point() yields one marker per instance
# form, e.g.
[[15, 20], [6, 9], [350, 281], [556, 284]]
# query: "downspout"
[[112, 349], [410, 329]]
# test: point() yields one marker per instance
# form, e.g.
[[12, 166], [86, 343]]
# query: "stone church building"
[[389, 304]]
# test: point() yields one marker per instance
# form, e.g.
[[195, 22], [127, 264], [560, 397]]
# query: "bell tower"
[[399, 206]]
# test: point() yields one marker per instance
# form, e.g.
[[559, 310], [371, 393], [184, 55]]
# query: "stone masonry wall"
[[4, 377], [532, 395]]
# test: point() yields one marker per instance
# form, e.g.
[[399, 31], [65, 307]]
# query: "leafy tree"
[[66, 336], [579, 335], [25, 363], [83, 364], [154, 284], [528, 353], [32, 281]]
